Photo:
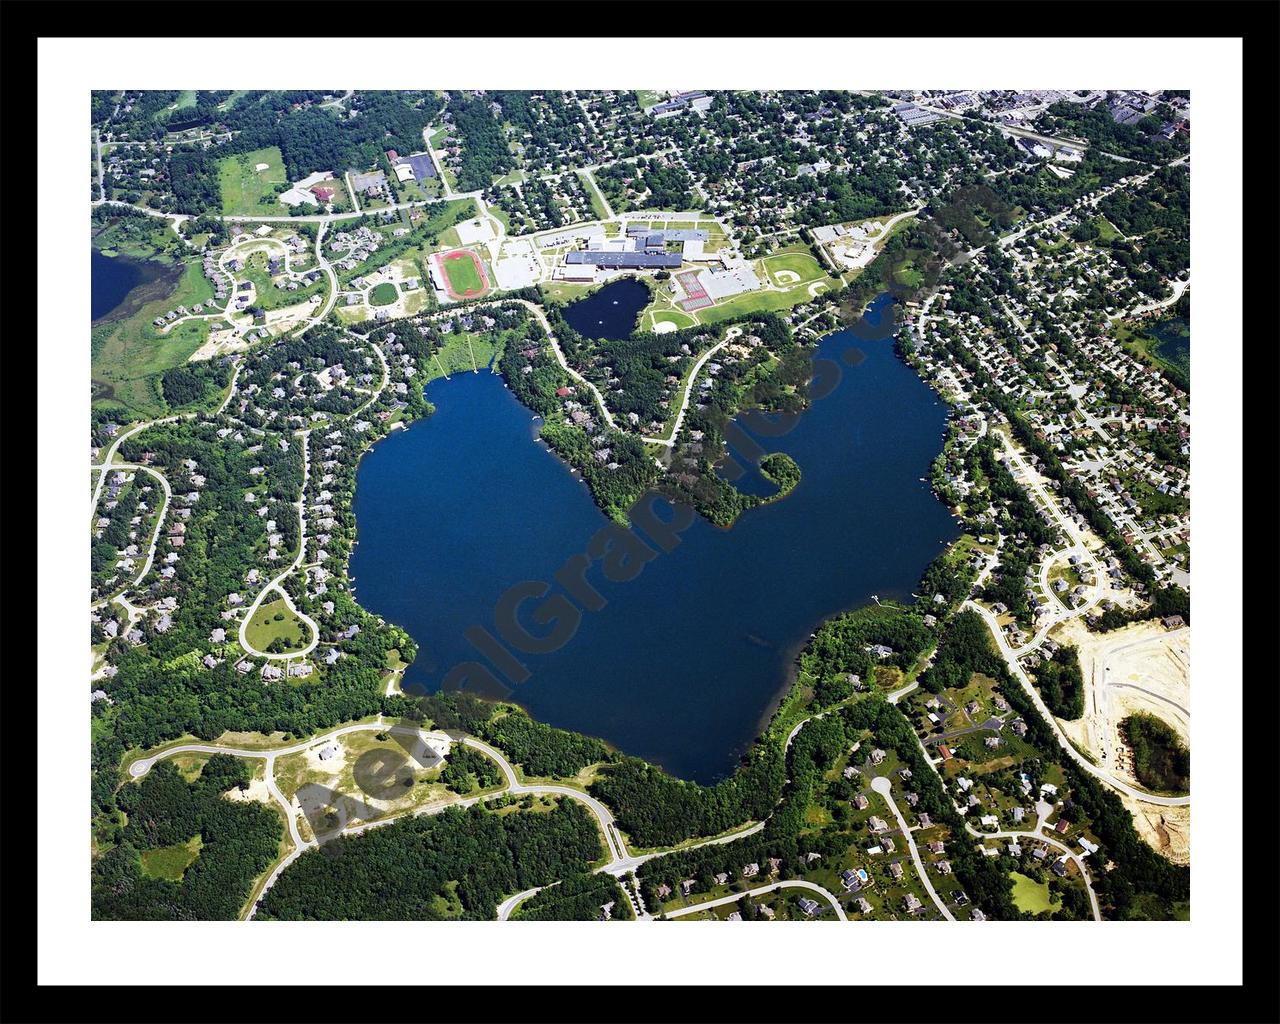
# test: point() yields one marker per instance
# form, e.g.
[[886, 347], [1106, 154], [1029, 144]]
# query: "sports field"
[[464, 274]]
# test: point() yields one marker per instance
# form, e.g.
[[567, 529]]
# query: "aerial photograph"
[[638, 505]]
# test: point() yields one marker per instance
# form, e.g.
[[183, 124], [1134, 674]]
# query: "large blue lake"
[[684, 662]]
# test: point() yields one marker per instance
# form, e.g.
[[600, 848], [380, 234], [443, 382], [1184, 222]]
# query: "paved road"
[[882, 786], [231, 391], [328, 270], [794, 883], [1015, 667], [1050, 841], [340, 100], [1081, 145], [275, 584], [564, 365], [155, 536], [1178, 288], [511, 902], [729, 335]]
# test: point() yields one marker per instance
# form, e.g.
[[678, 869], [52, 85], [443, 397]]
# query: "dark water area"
[[609, 313], [684, 660], [1173, 342], [120, 285]]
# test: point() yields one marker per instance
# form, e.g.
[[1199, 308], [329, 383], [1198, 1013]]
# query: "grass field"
[[246, 190], [564, 291], [759, 302], [1107, 232], [275, 620], [906, 274], [799, 262], [383, 294], [341, 197], [129, 355], [1029, 896], [463, 274], [593, 193], [231, 100], [462, 352], [649, 98], [671, 316], [171, 861]]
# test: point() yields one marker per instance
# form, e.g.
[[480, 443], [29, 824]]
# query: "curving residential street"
[[1049, 841], [1011, 658], [882, 786], [669, 442], [275, 584], [155, 535], [795, 883], [511, 902], [564, 365]]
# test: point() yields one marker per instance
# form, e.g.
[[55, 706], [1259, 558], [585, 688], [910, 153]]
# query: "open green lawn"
[[800, 263], [671, 316], [341, 197], [564, 291], [383, 294], [759, 302], [462, 352], [274, 620], [1029, 896], [171, 861], [248, 190], [593, 193], [906, 274], [463, 276], [267, 295], [231, 100], [649, 98], [1107, 232]]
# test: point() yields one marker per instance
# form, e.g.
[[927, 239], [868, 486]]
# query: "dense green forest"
[[237, 842], [485, 154], [1135, 141], [468, 770], [194, 383], [578, 898], [1061, 684], [542, 750], [311, 138], [782, 469], [455, 864], [1160, 760]]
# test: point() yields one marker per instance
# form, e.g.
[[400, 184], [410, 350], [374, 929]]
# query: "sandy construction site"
[[1167, 829], [1141, 668]]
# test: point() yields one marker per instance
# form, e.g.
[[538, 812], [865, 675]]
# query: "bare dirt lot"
[[1167, 829], [1143, 667]]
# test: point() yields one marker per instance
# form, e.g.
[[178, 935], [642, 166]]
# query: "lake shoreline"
[[147, 281], [669, 671]]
